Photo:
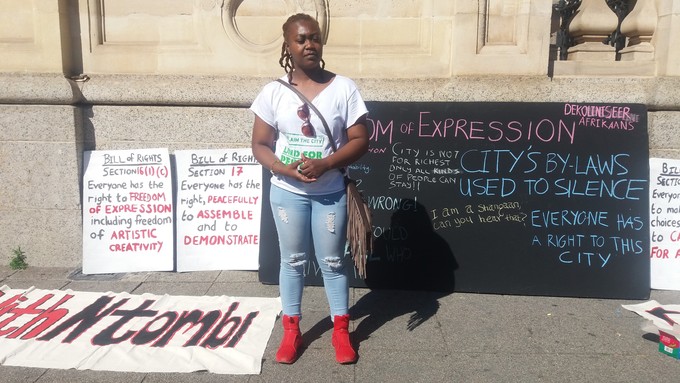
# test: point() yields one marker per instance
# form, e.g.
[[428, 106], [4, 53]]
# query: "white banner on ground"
[[218, 209], [664, 231], [127, 211], [140, 333], [663, 317]]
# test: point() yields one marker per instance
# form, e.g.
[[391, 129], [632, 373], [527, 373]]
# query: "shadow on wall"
[[85, 138], [410, 255], [412, 268]]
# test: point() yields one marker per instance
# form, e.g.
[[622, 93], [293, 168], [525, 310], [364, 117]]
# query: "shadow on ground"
[[411, 268]]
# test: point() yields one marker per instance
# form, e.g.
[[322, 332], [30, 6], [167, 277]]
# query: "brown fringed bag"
[[359, 220], [359, 226]]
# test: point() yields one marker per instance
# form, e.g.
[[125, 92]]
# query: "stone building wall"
[[80, 75]]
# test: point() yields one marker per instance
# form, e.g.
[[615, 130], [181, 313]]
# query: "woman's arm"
[[262, 143]]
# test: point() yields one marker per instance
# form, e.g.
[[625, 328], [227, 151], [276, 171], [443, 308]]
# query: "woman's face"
[[304, 44]]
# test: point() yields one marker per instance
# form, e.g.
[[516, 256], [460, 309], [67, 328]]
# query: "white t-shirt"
[[341, 105]]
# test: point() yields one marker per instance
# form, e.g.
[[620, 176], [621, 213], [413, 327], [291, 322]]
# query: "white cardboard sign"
[[218, 209], [127, 211], [664, 230]]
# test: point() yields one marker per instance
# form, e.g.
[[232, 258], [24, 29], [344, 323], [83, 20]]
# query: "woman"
[[307, 195]]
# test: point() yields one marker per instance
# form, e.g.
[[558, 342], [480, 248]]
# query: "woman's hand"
[[311, 169], [295, 170]]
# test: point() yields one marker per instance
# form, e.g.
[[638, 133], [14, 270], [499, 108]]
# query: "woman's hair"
[[285, 61]]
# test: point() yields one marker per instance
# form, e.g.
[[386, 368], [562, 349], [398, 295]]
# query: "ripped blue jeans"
[[303, 222]]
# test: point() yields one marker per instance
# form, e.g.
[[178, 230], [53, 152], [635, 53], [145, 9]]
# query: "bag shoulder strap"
[[311, 106]]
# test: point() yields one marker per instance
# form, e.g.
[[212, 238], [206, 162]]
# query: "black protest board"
[[510, 198]]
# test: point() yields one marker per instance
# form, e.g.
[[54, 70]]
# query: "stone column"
[[667, 38], [593, 22], [639, 26]]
